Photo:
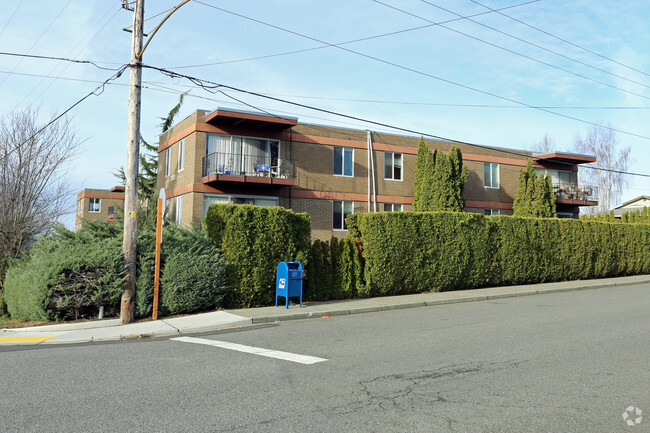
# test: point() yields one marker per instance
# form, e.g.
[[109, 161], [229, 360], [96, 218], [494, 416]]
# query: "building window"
[[343, 161], [392, 207], [491, 174], [210, 199], [340, 210], [93, 205], [179, 210], [240, 156], [392, 166], [181, 155], [492, 211], [168, 161]]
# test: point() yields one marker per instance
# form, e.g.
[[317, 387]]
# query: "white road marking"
[[286, 356]]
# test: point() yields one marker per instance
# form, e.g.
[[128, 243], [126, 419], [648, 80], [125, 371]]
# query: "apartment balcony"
[[578, 195], [254, 169]]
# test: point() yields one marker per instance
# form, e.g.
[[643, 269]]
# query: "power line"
[[434, 104], [39, 38], [70, 52], [538, 46], [11, 17], [425, 74], [96, 92], [367, 38], [64, 59], [562, 39], [213, 87], [508, 50]]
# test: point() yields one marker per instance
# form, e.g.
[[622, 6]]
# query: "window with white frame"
[[93, 205], [168, 161], [392, 207], [210, 199], [341, 209], [343, 161], [492, 211], [181, 155], [392, 166], [179, 210], [491, 174]]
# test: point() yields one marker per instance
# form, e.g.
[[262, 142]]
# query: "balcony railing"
[[248, 165], [576, 192]]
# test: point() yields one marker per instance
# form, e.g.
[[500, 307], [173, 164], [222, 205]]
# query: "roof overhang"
[[245, 119], [564, 158]]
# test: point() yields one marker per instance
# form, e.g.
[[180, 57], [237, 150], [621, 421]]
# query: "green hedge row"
[[407, 252], [254, 240], [333, 271]]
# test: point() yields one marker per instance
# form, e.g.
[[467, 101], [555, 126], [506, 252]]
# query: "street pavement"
[[113, 330]]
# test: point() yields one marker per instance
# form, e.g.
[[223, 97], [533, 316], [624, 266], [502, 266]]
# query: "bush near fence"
[[409, 252], [254, 239]]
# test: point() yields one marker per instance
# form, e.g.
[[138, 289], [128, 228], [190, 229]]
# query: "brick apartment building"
[[229, 156], [99, 204]]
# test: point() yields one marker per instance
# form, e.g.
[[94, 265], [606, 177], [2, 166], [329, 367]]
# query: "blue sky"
[[438, 80]]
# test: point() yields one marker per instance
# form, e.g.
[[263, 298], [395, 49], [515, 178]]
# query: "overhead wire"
[[367, 38], [96, 33], [562, 39], [537, 45], [425, 74], [213, 87], [508, 50], [95, 92], [11, 17], [56, 17]]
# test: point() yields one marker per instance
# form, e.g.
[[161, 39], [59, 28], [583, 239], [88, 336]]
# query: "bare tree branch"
[[601, 142], [33, 185]]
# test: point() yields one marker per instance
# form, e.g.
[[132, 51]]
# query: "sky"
[[449, 68]]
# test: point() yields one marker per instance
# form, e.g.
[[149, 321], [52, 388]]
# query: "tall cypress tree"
[[535, 197], [439, 180], [423, 172]]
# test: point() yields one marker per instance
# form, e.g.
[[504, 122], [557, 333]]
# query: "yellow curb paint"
[[18, 339]]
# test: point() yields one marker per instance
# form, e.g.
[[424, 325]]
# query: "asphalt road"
[[566, 362]]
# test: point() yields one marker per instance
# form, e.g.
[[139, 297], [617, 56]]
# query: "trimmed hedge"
[[254, 239], [334, 270], [410, 252]]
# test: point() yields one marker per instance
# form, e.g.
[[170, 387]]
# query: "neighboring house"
[[230, 156], [99, 204], [633, 205]]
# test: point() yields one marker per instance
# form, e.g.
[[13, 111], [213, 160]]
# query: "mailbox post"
[[288, 282]]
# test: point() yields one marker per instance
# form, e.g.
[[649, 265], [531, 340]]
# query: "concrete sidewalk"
[[112, 330]]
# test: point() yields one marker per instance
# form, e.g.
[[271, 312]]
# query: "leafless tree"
[[607, 172], [545, 145], [34, 191]]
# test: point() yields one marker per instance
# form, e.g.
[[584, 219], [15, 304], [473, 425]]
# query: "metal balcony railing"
[[576, 192], [248, 165]]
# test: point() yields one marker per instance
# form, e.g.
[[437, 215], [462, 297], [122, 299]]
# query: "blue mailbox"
[[288, 282]]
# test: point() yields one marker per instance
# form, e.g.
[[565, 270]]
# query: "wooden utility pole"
[[129, 246]]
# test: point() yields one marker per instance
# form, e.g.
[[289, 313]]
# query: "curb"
[[430, 303]]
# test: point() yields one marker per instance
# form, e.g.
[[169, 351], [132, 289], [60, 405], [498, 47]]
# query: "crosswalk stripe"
[[286, 356]]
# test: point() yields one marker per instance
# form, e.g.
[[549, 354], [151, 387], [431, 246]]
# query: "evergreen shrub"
[[193, 282], [67, 276], [254, 239], [412, 252]]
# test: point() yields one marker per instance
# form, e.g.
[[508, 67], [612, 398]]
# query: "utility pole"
[[129, 246]]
